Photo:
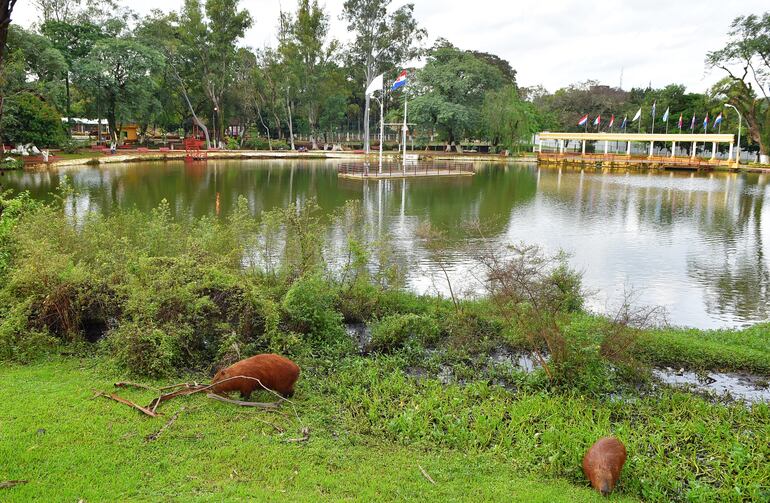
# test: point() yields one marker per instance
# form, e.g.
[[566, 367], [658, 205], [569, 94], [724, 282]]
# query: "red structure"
[[193, 147]]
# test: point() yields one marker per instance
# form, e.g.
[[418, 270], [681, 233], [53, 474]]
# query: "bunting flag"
[[598, 120], [665, 115], [717, 121], [583, 120], [612, 121], [706, 123], [638, 114], [681, 116], [692, 124]]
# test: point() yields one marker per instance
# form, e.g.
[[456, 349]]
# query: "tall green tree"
[[117, 73], [208, 47], [746, 60], [451, 91], [382, 41], [307, 54], [73, 40], [508, 120]]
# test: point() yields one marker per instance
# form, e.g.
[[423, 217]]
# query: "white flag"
[[376, 85], [638, 114], [665, 115]]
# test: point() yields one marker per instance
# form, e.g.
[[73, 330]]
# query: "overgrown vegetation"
[[165, 297]]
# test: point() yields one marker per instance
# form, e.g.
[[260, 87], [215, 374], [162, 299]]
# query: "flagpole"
[[382, 123], [404, 138]]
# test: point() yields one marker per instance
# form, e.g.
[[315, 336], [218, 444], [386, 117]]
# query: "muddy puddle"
[[729, 385], [361, 335]]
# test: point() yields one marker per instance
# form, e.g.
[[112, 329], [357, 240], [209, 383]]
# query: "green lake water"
[[695, 243]]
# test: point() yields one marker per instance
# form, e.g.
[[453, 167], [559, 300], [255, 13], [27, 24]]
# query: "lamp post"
[[381, 101], [738, 147]]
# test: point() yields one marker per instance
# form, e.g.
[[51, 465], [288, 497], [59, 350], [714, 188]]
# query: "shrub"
[[396, 331], [70, 146], [11, 210], [309, 304], [146, 348], [18, 342], [29, 119]]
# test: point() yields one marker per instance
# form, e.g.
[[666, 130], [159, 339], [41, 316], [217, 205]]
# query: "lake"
[[697, 244]]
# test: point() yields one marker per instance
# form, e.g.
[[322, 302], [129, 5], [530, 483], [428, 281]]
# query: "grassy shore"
[[372, 428], [71, 447], [175, 298]]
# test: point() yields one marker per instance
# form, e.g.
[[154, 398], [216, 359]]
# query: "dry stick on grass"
[[260, 405], [126, 384], [425, 474], [154, 436], [193, 388], [305, 436], [7, 484], [113, 396]]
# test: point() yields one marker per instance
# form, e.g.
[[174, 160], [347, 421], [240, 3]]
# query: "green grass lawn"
[[747, 349], [70, 446]]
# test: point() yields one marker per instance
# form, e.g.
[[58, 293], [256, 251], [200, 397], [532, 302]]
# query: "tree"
[[29, 119], [6, 9], [382, 42], [746, 60], [73, 40], [308, 56], [207, 47], [117, 73], [451, 89], [506, 118], [57, 10]]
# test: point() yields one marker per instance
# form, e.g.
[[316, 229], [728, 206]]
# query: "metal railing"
[[622, 158], [398, 169]]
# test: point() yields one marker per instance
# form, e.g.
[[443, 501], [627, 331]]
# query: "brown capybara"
[[603, 462], [273, 371]]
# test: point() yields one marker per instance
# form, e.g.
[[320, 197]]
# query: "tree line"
[[190, 69]]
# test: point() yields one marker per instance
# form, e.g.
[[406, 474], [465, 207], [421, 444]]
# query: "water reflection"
[[695, 243]]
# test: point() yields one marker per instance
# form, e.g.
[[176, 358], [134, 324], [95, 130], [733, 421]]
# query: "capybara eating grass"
[[273, 371], [603, 462]]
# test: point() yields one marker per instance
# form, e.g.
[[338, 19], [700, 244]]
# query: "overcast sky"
[[549, 42]]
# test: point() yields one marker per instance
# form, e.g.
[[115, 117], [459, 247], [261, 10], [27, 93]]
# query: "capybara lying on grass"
[[273, 371], [603, 462]]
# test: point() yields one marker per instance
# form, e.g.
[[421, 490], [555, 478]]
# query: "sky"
[[549, 42]]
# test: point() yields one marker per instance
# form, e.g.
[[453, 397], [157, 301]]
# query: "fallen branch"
[[113, 396], [261, 405], [154, 436], [305, 436], [425, 474], [193, 388], [7, 484], [126, 384], [197, 388]]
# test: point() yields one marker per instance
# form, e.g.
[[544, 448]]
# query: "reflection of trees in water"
[[734, 272], [725, 210]]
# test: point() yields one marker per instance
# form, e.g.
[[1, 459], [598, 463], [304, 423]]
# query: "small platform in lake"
[[395, 170]]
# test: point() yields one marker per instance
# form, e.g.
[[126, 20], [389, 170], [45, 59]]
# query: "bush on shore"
[[164, 295]]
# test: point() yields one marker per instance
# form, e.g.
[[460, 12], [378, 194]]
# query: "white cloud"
[[550, 42]]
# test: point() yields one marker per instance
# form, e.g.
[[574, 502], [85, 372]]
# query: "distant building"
[[89, 129]]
